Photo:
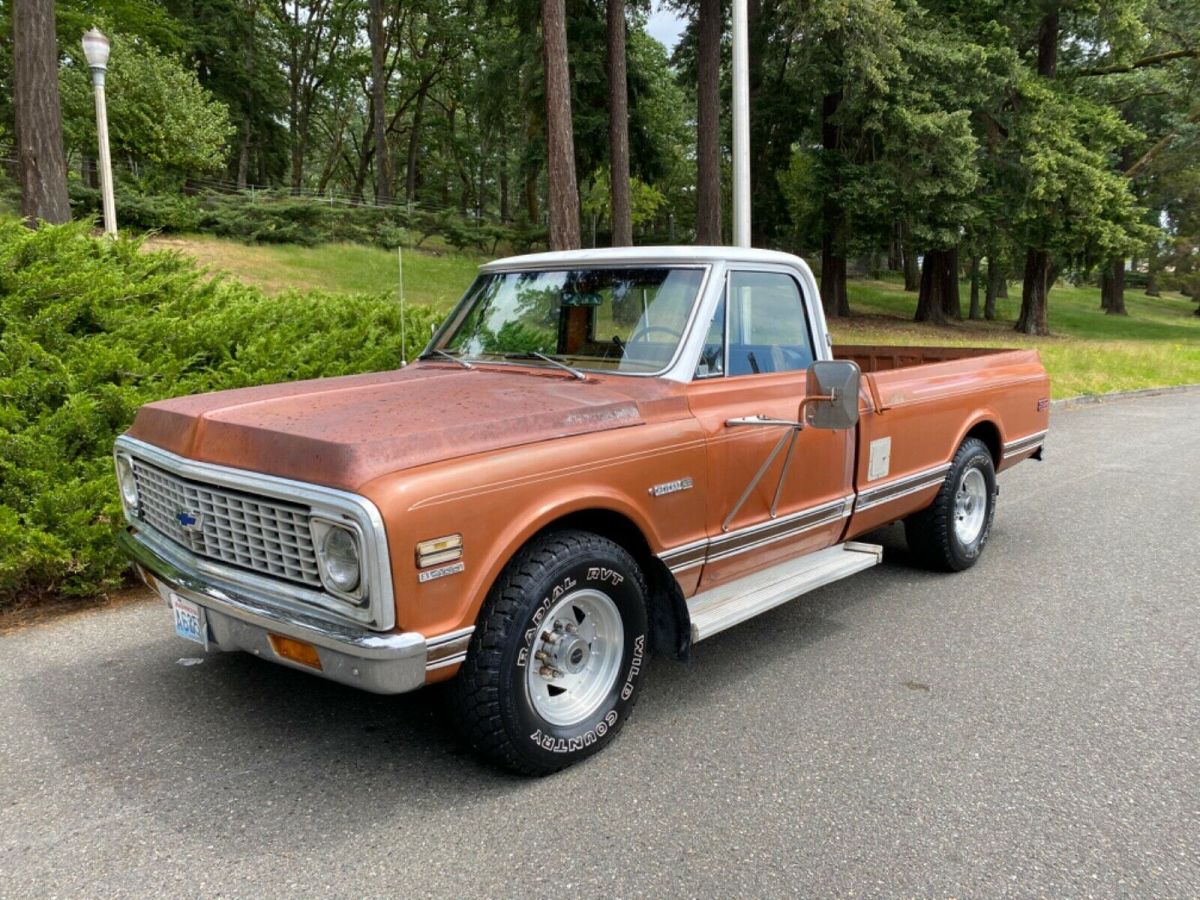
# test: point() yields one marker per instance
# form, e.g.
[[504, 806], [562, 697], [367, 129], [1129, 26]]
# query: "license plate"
[[189, 620]]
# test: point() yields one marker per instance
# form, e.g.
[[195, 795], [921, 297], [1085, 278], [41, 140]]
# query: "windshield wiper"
[[533, 354], [442, 353]]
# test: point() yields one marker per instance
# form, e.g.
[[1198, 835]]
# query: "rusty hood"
[[346, 431]]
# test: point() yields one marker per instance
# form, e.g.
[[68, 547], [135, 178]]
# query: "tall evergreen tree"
[[41, 165], [560, 138], [618, 126]]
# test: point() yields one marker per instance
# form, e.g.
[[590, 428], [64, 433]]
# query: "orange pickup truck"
[[599, 454]]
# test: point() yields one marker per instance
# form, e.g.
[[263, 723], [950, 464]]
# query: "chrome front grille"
[[263, 535]]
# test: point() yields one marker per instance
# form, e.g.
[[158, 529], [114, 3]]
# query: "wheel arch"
[[667, 609], [984, 427]]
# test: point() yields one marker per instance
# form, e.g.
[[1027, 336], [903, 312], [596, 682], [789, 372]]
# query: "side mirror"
[[832, 400]]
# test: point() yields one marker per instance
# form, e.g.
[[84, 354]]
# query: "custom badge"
[[671, 487]]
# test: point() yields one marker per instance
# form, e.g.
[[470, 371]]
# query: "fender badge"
[[440, 572], [671, 487]]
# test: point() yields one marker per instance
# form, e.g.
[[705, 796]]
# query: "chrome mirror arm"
[[788, 438]]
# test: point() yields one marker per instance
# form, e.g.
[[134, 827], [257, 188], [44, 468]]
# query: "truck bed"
[[922, 402], [883, 357]]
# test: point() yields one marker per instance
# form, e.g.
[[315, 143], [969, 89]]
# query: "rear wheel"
[[555, 662], [950, 533]]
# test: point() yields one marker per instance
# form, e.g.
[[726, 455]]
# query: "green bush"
[[90, 329], [138, 209], [277, 217]]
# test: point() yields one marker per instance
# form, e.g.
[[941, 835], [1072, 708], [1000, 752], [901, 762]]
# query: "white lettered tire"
[[556, 660]]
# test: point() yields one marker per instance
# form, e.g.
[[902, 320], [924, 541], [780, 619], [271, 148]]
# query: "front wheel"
[[555, 662], [950, 533]]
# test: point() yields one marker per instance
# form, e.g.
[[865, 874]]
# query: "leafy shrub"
[[90, 329], [277, 217], [138, 209]]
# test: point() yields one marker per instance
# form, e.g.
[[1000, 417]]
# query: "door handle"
[[760, 419]]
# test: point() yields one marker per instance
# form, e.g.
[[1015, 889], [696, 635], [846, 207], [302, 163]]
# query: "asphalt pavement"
[[1030, 727]]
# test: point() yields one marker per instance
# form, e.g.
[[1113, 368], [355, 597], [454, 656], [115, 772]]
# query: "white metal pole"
[[741, 126], [106, 179], [403, 334]]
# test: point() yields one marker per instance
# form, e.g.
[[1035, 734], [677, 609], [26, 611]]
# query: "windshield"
[[619, 319]]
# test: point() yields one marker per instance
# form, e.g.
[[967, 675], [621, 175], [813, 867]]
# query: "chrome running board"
[[723, 607]]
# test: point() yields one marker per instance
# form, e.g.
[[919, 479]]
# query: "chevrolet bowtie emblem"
[[189, 521]]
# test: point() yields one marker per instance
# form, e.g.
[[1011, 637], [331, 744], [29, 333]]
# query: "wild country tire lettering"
[[570, 745]]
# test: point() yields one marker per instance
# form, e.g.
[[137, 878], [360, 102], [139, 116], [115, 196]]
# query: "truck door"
[[761, 509]]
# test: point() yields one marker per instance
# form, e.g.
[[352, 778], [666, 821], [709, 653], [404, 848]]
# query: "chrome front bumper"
[[379, 662]]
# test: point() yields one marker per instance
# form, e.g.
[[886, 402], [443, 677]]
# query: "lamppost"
[[95, 48]]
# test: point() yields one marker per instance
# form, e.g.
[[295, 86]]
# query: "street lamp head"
[[95, 49]]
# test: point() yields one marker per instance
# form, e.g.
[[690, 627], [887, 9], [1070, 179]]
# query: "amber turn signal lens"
[[297, 651], [439, 550]]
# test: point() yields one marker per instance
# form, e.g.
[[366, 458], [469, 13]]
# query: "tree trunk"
[[41, 164], [1036, 286], [1047, 61], [243, 168], [975, 312], [1112, 289], [708, 124], [505, 209], [618, 127], [560, 137], [1152, 270], [938, 299], [895, 254], [297, 152], [383, 159], [414, 147], [533, 208], [995, 278], [1033, 293], [833, 282], [912, 273], [87, 171], [833, 215]]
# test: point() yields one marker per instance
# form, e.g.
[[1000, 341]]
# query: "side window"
[[712, 357], [768, 330]]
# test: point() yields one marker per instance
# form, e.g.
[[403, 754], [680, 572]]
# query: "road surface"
[[1029, 727]]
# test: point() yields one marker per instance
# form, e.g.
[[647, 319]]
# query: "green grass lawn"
[[434, 278], [1156, 345], [1088, 352]]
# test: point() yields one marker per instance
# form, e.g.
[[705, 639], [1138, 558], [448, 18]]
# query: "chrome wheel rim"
[[970, 506], [575, 658]]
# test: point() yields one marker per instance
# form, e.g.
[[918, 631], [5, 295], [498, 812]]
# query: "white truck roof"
[[680, 254]]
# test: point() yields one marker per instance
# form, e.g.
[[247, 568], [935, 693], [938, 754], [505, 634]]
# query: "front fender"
[[498, 502]]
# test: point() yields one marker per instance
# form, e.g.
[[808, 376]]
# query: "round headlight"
[[127, 482], [339, 550]]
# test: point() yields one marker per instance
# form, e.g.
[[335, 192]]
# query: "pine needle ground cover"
[[90, 329]]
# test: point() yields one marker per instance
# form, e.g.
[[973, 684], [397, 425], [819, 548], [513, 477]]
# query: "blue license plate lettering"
[[189, 620]]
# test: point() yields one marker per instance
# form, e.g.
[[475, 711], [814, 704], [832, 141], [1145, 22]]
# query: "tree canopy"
[[1048, 138]]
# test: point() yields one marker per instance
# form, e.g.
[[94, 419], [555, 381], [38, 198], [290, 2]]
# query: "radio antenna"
[[403, 336]]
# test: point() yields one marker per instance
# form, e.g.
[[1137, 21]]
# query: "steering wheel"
[[646, 330]]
